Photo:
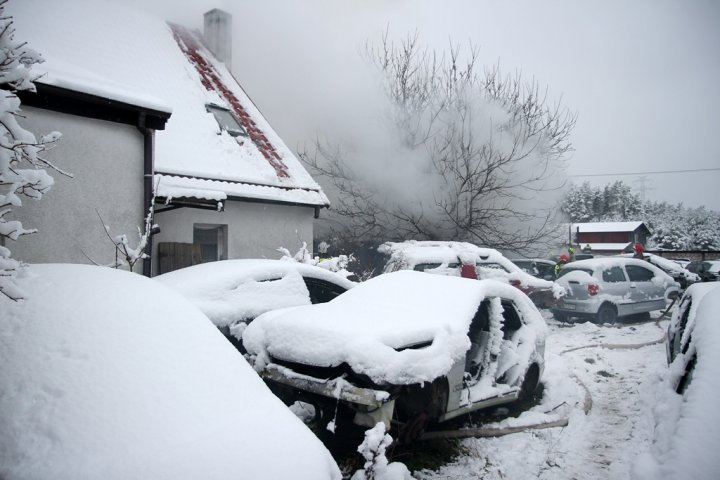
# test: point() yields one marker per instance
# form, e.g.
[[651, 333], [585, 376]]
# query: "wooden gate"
[[175, 255]]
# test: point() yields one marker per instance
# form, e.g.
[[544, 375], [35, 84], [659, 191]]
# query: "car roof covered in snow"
[[369, 326], [108, 374], [113, 50], [414, 252], [229, 291]]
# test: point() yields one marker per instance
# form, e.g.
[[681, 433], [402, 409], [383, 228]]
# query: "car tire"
[[607, 313]]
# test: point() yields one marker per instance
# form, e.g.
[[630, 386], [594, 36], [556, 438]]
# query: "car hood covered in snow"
[[108, 374], [369, 326]]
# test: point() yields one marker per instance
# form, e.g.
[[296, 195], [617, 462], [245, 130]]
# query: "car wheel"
[[606, 314]]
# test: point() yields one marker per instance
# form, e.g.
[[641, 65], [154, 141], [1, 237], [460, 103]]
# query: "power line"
[[646, 173]]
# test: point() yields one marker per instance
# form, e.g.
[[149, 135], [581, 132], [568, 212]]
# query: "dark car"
[[709, 270], [537, 267]]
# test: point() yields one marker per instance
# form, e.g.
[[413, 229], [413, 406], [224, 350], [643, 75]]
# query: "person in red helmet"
[[639, 251], [563, 260]]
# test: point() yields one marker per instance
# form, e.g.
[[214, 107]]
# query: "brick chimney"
[[217, 33]]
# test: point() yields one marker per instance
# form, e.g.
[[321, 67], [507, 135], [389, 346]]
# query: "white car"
[[604, 289], [233, 292], [403, 346], [687, 437], [453, 258], [108, 374]]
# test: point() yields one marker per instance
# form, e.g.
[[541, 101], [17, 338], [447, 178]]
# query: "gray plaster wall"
[[106, 160], [255, 230]]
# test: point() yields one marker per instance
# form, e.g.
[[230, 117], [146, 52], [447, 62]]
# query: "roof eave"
[[64, 100]]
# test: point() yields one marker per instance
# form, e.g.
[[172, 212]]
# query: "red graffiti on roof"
[[211, 80]]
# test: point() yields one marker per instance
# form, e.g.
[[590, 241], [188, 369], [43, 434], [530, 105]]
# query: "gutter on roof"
[[72, 102]]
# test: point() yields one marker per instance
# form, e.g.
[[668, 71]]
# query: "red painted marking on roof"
[[211, 80]]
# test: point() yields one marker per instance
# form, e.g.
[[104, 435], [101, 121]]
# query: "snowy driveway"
[[602, 444]]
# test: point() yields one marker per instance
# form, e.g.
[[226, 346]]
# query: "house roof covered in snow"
[[126, 55], [598, 227]]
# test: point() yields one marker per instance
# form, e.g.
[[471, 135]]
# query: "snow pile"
[[107, 374], [376, 463], [234, 291], [369, 326], [687, 437], [337, 264]]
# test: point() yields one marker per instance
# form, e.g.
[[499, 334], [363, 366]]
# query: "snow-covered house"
[[610, 237], [145, 105]]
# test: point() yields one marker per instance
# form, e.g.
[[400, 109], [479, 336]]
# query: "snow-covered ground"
[[622, 387]]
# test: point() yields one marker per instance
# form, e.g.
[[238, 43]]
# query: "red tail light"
[[593, 289]]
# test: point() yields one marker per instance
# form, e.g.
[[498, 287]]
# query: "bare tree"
[[22, 165], [476, 150]]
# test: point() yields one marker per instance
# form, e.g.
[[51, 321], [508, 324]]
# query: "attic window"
[[227, 120]]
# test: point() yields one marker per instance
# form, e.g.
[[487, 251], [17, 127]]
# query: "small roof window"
[[226, 120]]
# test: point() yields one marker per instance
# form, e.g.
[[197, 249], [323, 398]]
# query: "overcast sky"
[[643, 75]]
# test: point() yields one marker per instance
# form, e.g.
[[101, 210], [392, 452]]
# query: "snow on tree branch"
[[22, 166]]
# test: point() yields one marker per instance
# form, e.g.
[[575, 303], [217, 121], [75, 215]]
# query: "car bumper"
[[371, 405], [577, 307]]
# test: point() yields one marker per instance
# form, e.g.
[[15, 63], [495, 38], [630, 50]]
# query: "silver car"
[[603, 289]]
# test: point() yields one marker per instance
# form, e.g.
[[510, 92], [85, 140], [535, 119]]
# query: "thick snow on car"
[[108, 374], [454, 258], [403, 346], [604, 289], [687, 437], [233, 292]]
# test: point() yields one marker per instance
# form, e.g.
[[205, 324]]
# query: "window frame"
[[236, 130]]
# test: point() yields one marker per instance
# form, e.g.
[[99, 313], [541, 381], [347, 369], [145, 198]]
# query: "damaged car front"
[[405, 349]]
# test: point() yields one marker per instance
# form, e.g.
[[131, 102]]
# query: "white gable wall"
[[106, 159], [255, 230]]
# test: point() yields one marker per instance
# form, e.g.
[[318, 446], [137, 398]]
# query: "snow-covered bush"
[[337, 264], [376, 463], [22, 168]]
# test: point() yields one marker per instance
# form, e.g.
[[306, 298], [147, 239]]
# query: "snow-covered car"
[[687, 438], [708, 270], [454, 258], [683, 262], [404, 346], [681, 275], [537, 267], [233, 292], [604, 289], [108, 374]]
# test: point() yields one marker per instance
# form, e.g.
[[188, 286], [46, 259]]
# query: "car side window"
[[479, 335], [512, 322], [321, 291], [613, 275], [639, 274]]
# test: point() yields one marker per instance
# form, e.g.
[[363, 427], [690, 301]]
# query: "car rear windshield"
[[567, 270]]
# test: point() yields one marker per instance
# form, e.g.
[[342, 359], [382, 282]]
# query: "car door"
[[645, 294], [616, 284]]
